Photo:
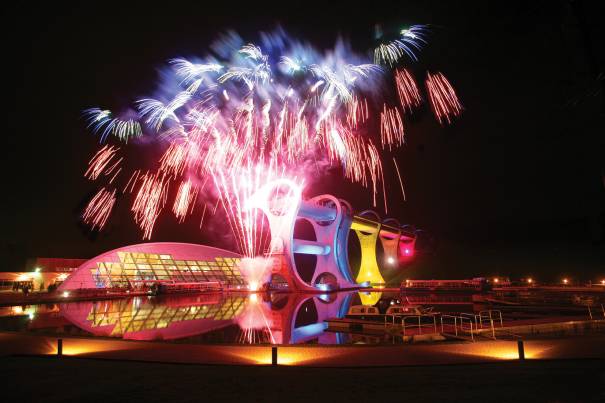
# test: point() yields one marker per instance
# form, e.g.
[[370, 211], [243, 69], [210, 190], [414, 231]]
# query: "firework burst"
[[444, 101], [99, 208], [277, 110]]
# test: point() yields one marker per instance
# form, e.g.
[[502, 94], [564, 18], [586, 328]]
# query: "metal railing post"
[[589, 311], [419, 326], [59, 347]]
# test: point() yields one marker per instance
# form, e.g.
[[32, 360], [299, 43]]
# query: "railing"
[[462, 320], [488, 317], [420, 324]]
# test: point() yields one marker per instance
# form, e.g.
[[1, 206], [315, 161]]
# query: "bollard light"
[[274, 355], [521, 349]]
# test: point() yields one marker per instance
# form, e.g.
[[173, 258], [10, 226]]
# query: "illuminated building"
[[141, 265]]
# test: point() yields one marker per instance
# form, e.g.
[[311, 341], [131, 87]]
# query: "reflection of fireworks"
[[260, 112], [255, 322]]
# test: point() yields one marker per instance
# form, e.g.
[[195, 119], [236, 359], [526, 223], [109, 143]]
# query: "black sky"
[[523, 166]]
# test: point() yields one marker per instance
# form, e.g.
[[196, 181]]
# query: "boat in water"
[[387, 308]]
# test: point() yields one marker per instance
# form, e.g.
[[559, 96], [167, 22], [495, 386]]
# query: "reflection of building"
[[141, 265], [141, 319], [285, 318]]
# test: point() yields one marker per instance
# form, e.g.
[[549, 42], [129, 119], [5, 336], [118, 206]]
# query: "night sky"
[[515, 186]]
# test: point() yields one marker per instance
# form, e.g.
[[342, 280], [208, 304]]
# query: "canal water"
[[206, 318], [223, 318]]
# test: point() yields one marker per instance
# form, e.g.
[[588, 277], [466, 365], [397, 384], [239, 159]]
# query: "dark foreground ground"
[[32, 379]]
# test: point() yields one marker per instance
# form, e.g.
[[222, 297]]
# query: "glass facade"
[[139, 267]]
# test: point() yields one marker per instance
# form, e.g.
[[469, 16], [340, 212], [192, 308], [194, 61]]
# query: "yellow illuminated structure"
[[367, 231], [369, 298]]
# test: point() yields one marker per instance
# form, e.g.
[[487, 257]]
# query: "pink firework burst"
[[99, 208], [409, 96], [444, 101]]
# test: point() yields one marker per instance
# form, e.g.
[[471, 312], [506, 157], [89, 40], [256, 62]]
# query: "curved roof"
[[82, 276]]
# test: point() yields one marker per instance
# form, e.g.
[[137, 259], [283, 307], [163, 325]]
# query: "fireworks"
[[184, 200], [407, 44], [99, 208], [103, 162], [407, 90], [102, 121], [277, 110], [149, 201], [444, 100], [391, 127]]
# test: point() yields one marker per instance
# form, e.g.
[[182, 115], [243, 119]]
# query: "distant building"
[[57, 265], [45, 272]]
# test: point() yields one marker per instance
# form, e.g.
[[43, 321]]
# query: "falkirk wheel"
[[333, 221]]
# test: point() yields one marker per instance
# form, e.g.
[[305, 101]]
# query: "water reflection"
[[275, 318], [262, 318], [231, 318]]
